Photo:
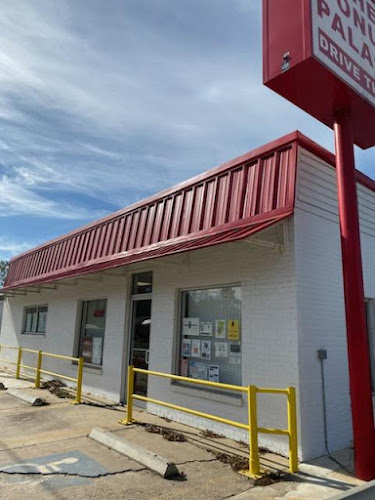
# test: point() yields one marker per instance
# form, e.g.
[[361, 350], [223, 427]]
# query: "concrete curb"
[[365, 492], [24, 396], [154, 462]]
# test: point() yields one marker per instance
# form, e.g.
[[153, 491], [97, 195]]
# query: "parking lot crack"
[[70, 474], [202, 461]]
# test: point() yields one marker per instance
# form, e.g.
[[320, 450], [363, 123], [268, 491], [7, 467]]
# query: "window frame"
[[77, 347], [180, 302], [36, 331]]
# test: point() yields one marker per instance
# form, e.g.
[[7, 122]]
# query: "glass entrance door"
[[140, 331]]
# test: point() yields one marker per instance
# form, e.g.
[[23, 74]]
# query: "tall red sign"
[[320, 55]]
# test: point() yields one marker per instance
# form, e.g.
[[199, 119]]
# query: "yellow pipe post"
[[254, 467], [19, 361], [129, 396], [292, 427], [78, 398], [251, 426], [38, 368]]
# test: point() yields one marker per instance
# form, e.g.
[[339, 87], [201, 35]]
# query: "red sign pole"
[[358, 346]]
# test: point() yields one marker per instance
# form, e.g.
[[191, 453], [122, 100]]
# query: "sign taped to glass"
[[87, 349]]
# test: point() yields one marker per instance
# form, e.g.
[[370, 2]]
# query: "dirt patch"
[[236, 462], [63, 393], [52, 385], [209, 434], [40, 402], [239, 464], [167, 434], [271, 478], [56, 387], [262, 449]]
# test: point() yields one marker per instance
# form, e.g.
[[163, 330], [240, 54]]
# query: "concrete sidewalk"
[[50, 447]]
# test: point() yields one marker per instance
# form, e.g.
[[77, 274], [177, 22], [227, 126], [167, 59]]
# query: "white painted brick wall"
[[269, 342], [269, 329], [320, 301], [62, 321]]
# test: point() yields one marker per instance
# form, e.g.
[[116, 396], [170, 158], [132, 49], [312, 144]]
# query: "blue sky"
[[103, 103]]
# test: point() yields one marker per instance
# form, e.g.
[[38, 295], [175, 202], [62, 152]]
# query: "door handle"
[[147, 357]]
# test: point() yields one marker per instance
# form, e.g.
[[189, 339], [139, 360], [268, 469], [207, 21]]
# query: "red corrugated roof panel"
[[224, 204]]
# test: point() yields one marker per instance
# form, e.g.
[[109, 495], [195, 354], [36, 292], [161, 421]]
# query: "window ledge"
[[200, 392], [39, 334]]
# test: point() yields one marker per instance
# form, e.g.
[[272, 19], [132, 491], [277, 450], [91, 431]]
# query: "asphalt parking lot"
[[45, 453]]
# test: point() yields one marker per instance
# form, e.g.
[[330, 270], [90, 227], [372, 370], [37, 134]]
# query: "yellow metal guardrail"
[[251, 426], [39, 367]]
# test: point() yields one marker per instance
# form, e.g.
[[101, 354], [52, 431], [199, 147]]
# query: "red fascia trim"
[[253, 224], [259, 152]]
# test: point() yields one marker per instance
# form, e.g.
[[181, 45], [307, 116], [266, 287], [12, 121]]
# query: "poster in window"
[[206, 349], [220, 329], [190, 326], [184, 368], [213, 373], [206, 328], [233, 329], [195, 348], [186, 348], [198, 370], [234, 354], [87, 349], [97, 347], [221, 350], [99, 313]]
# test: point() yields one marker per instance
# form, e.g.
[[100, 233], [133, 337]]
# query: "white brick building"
[[255, 241]]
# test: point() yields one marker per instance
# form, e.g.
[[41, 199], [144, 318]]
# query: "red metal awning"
[[225, 204], [162, 250]]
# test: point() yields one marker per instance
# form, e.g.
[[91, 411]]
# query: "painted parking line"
[[49, 466]]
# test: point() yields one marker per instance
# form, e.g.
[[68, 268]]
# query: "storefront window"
[[92, 331], [35, 319], [210, 335]]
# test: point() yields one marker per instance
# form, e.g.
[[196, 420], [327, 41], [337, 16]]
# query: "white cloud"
[[109, 103], [9, 247], [18, 200], [100, 151]]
